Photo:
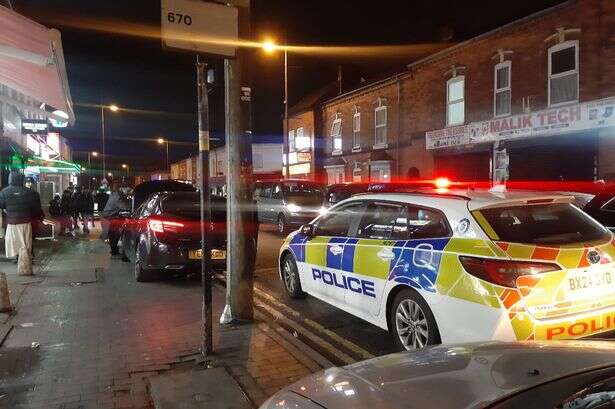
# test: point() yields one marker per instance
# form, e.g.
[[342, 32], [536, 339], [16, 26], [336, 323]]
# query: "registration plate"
[[215, 254], [589, 283]]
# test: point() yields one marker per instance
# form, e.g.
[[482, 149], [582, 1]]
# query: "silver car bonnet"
[[465, 376]]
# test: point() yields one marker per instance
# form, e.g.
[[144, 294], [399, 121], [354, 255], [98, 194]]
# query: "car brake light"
[[503, 272], [162, 226]]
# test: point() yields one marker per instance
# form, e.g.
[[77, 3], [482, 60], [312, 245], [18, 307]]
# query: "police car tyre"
[[290, 277], [281, 224], [412, 323]]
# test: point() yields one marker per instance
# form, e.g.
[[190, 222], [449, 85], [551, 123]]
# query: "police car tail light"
[[503, 272]]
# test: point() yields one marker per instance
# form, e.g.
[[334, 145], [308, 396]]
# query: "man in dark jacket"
[[67, 221], [22, 207], [117, 203]]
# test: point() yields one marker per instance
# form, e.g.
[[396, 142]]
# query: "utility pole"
[[241, 221], [203, 102]]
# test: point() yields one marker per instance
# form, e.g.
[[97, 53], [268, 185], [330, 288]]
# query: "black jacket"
[[22, 205]]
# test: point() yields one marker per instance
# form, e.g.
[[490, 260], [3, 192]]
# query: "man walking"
[[118, 202], [23, 209]]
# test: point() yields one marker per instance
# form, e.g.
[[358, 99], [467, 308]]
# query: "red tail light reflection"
[[162, 226]]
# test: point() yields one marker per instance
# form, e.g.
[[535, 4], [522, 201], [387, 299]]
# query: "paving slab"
[[198, 389]]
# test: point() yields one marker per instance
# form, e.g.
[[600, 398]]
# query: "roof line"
[[448, 50]]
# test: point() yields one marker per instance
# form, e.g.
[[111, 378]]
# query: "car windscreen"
[[548, 224], [303, 193], [189, 205]]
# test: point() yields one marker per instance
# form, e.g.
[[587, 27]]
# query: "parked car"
[[602, 207], [341, 191], [144, 190], [288, 203], [529, 375], [164, 236]]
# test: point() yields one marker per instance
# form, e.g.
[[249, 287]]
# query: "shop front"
[[555, 144]]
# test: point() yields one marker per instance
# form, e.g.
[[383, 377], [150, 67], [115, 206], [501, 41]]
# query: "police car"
[[459, 266]]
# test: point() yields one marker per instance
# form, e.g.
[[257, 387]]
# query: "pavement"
[[85, 334]]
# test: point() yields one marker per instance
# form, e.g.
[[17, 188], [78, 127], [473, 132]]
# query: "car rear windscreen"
[[304, 194], [188, 205], [548, 224]]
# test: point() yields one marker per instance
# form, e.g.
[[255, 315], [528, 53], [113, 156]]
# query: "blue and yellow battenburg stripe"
[[411, 262]]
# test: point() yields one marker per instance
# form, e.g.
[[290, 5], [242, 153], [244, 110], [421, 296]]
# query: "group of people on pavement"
[[76, 205]]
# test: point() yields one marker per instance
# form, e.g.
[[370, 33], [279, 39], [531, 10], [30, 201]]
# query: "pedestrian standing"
[[67, 223], [76, 204], [118, 202], [87, 209], [23, 209]]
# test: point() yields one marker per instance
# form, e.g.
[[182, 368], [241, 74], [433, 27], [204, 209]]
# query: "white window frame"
[[291, 137], [382, 144], [336, 174], [496, 90], [334, 137], [380, 166], [300, 138], [554, 49], [356, 132], [357, 174], [456, 78]]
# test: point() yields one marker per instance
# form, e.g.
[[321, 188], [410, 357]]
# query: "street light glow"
[[160, 141], [110, 174], [114, 108], [124, 166], [94, 153], [269, 46]]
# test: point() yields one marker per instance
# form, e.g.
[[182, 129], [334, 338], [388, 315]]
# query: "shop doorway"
[[465, 167]]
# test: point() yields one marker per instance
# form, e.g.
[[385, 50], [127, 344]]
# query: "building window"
[[357, 174], [258, 161], [302, 142], [455, 101], [501, 89], [291, 141], [564, 73], [380, 115], [336, 136], [336, 174], [380, 172], [356, 131]]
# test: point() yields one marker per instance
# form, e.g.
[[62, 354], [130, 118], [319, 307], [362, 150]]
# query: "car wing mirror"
[[307, 230]]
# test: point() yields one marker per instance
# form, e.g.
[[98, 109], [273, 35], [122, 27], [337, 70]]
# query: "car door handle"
[[386, 254], [336, 250]]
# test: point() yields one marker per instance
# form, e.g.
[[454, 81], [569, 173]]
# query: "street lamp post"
[[163, 141], [270, 47], [125, 166], [112, 108], [95, 154]]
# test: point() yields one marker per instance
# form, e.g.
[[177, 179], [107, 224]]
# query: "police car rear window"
[[548, 224]]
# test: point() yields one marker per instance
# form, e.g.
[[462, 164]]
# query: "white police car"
[[458, 266]]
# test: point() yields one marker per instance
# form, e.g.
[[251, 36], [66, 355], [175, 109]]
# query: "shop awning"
[[32, 61], [37, 164]]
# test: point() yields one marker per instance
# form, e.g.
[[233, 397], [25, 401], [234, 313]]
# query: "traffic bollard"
[[5, 301], [24, 264]]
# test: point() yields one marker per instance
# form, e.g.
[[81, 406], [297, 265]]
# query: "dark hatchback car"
[[164, 236]]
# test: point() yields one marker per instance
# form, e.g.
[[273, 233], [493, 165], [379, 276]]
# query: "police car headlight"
[[293, 208]]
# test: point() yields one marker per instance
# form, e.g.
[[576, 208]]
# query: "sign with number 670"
[[199, 26]]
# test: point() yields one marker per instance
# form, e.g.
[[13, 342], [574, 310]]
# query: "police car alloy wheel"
[[290, 276], [412, 322]]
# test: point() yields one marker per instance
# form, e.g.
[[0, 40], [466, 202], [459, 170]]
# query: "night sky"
[[137, 73]]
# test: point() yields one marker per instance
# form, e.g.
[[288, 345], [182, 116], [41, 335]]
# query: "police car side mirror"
[[307, 230]]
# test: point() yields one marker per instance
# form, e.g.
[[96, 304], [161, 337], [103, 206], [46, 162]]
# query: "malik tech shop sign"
[[572, 118]]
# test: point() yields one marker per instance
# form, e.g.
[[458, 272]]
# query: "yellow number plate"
[[215, 254]]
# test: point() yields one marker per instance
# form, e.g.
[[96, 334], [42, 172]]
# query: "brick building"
[[534, 99]]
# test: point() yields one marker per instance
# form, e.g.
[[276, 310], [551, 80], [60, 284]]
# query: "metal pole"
[[104, 156], [203, 103], [287, 144], [242, 228], [89, 172], [168, 156]]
